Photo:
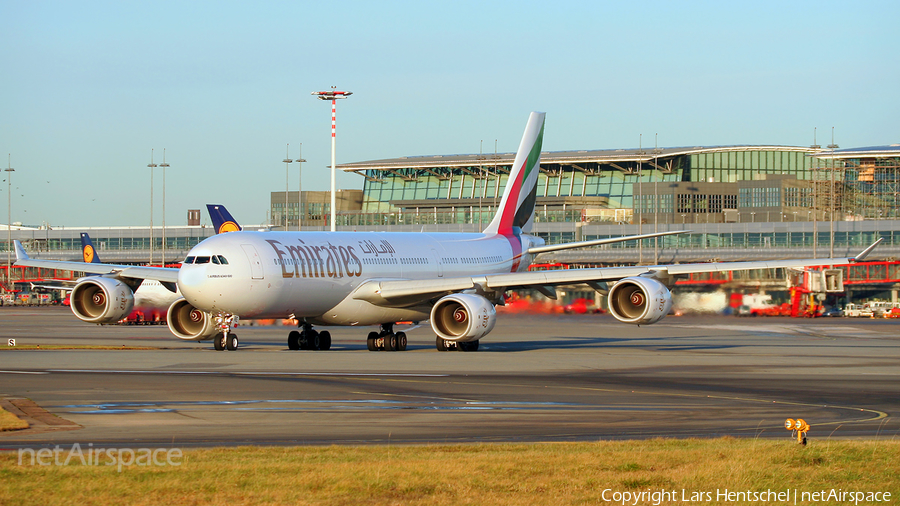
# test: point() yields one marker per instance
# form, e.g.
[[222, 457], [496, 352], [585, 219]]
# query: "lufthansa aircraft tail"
[[87, 250], [222, 219], [516, 212]]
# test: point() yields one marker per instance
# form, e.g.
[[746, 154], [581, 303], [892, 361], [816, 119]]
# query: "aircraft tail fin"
[[516, 212], [87, 250], [20, 251], [222, 219]]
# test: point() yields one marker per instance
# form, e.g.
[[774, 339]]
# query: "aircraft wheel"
[[219, 342], [313, 340], [390, 342], [470, 346], [294, 340], [232, 342], [440, 344], [401, 341], [370, 341], [325, 340]]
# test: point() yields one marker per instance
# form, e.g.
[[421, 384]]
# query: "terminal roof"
[[551, 157]]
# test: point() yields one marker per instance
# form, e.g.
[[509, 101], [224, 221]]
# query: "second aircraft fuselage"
[[312, 274]]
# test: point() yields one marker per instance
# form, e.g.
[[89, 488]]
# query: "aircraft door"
[[256, 269], [437, 261]]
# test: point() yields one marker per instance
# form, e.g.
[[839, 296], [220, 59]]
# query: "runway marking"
[[24, 372], [118, 408], [243, 373], [878, 415], [839, 330]]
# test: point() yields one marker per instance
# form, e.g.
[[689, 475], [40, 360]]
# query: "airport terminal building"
[[738, 202]]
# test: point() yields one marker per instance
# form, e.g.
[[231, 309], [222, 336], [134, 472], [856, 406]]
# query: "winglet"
[[862, 256], [20, 251]]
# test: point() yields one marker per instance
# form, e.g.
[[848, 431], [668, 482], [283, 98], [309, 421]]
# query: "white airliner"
[[150, 297], [368, 278]]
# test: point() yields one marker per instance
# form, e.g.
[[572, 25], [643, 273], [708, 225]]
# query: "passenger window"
[[189, 260], [201, 260]]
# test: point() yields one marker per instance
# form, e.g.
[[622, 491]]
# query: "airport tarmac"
[[535, 378]]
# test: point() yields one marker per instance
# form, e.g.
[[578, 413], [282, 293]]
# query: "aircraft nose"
[[190, 281]]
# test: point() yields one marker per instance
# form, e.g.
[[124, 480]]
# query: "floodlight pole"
[[815, 146], [152, 166], [9, 170], [832, 147], [656, 199], [164, 166], [287, 160], [640, 186], [300, 211], [332, 95]]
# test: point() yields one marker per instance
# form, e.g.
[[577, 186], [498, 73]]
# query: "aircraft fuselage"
[[313, 274]]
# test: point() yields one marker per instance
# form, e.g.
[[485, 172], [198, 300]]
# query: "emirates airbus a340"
[[454, 280]]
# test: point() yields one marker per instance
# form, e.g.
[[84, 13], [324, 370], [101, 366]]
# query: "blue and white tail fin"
[[516, 212], [222, 219], [88, 253]]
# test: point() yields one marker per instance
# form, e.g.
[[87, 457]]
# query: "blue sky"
[[89, 88]]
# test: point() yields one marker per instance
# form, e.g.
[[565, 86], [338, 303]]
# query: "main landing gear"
[[445, 345], [309, 339], [387, 339]]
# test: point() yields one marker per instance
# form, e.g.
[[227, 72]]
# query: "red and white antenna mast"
[[332, 95]]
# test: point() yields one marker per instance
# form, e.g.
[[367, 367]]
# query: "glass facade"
[[610, 183], [784, 239]]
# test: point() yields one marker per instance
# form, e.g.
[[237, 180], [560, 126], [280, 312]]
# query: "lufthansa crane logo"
[[88, 254], [228, 226]]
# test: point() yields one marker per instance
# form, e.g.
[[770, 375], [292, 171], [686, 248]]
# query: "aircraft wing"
[[162, 274], [388, 292]]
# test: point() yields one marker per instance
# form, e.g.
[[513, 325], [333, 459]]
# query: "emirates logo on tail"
[[516, 211]]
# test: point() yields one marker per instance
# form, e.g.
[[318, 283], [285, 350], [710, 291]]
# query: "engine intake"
[[638, 300], [190, 323], [101, 300], [463, 317]]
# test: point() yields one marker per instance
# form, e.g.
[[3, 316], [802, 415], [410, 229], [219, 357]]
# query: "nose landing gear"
[[225, 339]]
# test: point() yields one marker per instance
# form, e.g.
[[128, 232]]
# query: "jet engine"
[[101, 300], [463, 317], [639, 300], [190, 323]]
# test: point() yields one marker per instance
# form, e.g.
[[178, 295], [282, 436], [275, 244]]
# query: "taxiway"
[[536, 378]]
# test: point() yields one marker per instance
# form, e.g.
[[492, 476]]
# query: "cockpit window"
[[189, 260], [215, 259], [222, 260], [201, 260]]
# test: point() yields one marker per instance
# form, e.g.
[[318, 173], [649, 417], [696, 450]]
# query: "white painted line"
[[246, 373]]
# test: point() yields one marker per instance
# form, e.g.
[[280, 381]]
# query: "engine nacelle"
[[190, 323], [639, 300], [463, 317], [101, 300]]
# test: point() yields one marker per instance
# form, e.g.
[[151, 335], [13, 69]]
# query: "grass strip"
[[501, 474], [9, 421]]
